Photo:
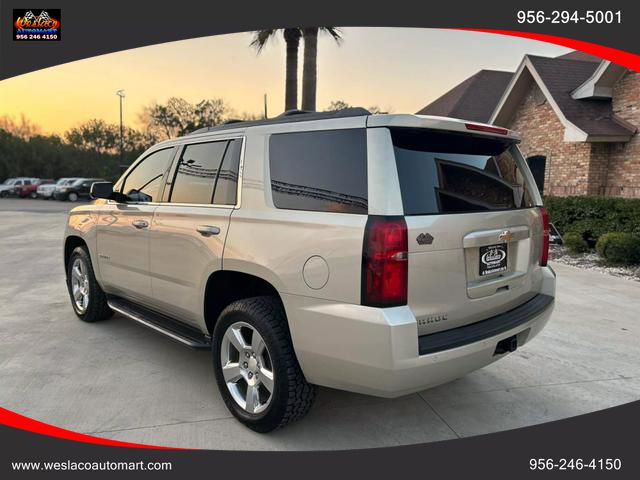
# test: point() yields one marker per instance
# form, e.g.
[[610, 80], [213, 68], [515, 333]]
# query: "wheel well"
[[225, 287], [69, 245]]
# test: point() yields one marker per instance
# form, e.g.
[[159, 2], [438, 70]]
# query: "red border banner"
[[620, 57], [15, 420]]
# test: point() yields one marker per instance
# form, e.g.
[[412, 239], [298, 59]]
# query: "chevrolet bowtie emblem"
[[424, 239], [506, 236]]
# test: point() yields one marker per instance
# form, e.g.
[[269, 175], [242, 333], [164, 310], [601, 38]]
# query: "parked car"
[[46, 191], [30, 190], [73, 190], [12, 185], [380, 254]]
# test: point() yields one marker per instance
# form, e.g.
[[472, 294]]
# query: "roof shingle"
[[474, 99]]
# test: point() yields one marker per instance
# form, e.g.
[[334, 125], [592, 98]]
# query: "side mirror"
[[102, 190]]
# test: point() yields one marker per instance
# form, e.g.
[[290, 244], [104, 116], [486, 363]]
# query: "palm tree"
[[292, 39], [309, 69]]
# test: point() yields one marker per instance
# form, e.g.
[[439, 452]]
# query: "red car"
[[30, 190]]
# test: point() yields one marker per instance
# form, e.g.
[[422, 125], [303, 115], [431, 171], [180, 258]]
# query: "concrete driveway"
[[120, 380]]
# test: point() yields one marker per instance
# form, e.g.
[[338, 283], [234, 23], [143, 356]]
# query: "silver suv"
[[381, 254]]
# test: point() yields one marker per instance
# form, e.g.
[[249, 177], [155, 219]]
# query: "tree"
[[341, 105], [292, 41], [309, 69], [23, 128], [178, 116], [104, 138]]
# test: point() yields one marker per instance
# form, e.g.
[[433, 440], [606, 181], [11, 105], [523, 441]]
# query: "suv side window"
[[197, 172], [324, 171], [226, 188], [144, 182]]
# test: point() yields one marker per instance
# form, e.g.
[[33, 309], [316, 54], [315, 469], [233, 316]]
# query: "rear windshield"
[[442, 172]]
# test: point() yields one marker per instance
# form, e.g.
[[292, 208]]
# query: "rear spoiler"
[[440, 123]]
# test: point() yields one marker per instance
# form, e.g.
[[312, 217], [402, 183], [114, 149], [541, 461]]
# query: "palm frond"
[[261, 38], [335, 32]]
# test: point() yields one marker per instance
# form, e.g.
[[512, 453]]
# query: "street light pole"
[[120, 93]]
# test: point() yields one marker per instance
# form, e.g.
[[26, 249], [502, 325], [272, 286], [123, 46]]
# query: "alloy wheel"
[[80, 285], [246, 367]]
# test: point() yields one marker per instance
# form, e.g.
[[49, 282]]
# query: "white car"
[[380, 254], [47, 190]]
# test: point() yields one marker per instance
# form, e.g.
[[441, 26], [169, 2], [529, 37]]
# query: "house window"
[[537, 165]]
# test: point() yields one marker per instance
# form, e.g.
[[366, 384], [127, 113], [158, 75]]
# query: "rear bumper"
[[378, 351]]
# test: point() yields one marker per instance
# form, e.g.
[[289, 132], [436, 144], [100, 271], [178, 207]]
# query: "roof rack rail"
[[286, 117], [294, 111]]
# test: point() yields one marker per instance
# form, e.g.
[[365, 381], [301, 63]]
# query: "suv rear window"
[[456, 173], [324, 171]]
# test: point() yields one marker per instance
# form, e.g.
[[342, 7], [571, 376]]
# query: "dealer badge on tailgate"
[[493, 259]]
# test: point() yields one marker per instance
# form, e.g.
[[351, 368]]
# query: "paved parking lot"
[[120, 380]]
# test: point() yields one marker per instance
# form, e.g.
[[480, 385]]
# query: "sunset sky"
[[397, 69]]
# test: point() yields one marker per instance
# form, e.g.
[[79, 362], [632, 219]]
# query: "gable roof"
[[561, 77], [584, 120], [474, 99]]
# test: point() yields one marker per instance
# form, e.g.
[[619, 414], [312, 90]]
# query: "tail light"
[[384, 262], [486, 128], [544, 251]]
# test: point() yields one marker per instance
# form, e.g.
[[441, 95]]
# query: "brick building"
[[577, 115]]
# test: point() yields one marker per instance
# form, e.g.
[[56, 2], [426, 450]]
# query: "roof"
[[347, 118], [474, 99], [562, 77]]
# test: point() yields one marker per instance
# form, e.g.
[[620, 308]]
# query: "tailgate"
[[450, 283], [474, 228]]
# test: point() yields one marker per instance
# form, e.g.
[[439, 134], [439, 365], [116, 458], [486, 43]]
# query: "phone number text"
[[569, 16], [605, 464]]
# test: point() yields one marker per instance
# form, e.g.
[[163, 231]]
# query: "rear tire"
[[291, 396], [88, 300], [72, 197]]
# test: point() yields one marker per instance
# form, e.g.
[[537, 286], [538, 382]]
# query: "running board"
[[160, 323]]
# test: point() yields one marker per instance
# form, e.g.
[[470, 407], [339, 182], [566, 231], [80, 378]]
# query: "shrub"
[[592, 217], [575, 242], [619, 248]]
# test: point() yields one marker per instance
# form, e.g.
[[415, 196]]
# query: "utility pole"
[[120, 93], [265, 106]]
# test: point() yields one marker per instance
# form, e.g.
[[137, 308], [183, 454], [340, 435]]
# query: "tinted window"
[[322, 171], [226, 188], [197, 171], [456, 173], [143, 183]]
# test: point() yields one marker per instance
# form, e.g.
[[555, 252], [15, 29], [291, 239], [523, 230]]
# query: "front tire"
[[88, 300], [256, 369], [72, 197]]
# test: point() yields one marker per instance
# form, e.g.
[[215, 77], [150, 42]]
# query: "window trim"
[[173, 167], [268, 177], [176, 162]]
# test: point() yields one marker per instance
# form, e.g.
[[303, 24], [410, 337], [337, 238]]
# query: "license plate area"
[[493, 259]]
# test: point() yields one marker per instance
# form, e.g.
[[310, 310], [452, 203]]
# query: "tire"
[[3, 194], [291, 396], [72, 197], [33, 195], [95, 308]]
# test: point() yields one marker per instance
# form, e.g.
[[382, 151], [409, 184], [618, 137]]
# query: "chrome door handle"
[[207, 230], [139, 224]]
